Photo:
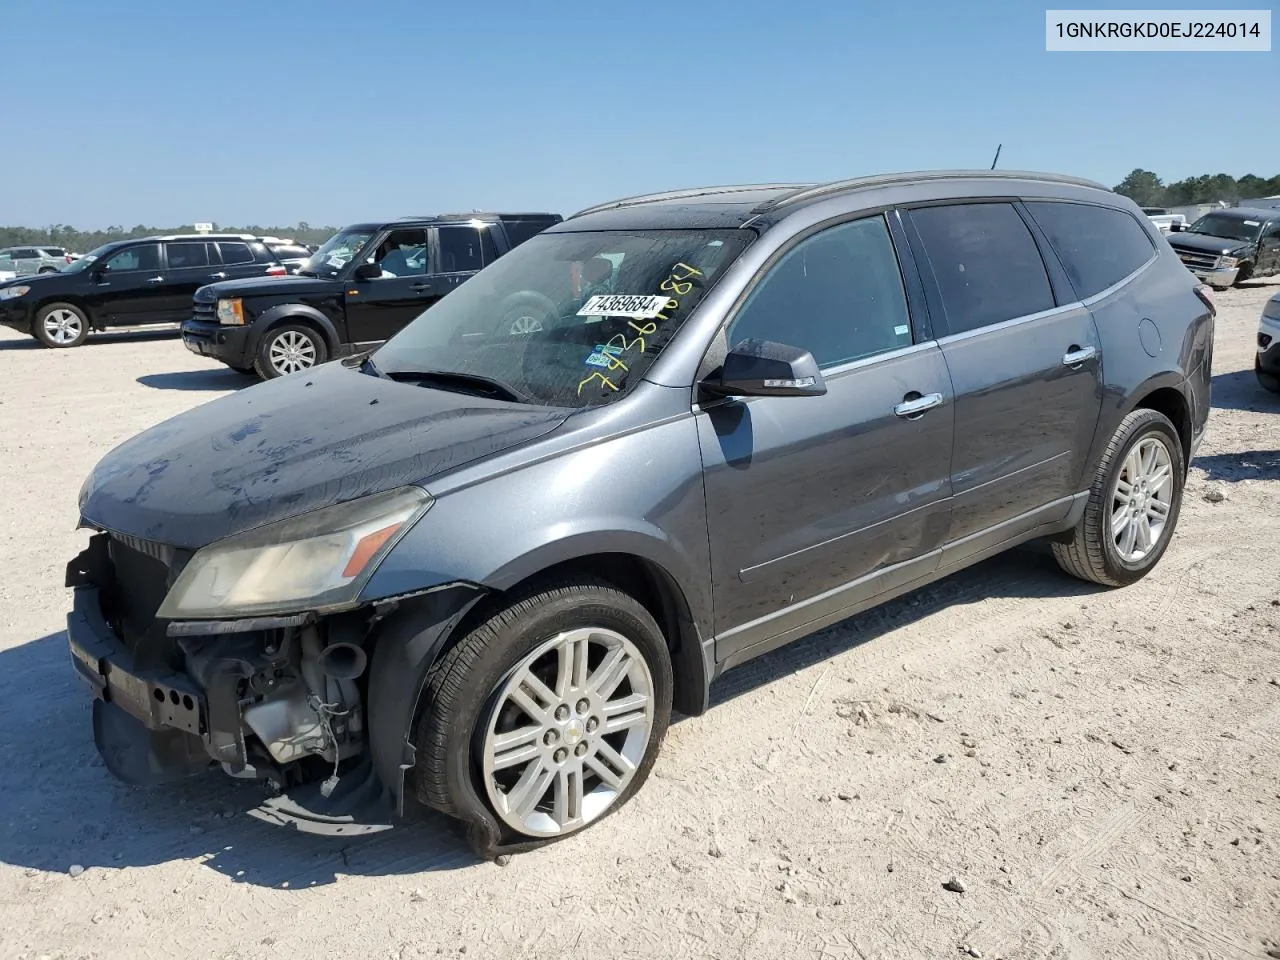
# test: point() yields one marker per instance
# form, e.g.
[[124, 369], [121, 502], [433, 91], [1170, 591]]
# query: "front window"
[[566, 319], [336, 253], [1229, 228]]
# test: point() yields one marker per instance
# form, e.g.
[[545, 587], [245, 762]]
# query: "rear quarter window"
[[1098, 246]]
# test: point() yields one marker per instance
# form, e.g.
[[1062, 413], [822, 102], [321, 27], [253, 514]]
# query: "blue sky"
[[243, 112]]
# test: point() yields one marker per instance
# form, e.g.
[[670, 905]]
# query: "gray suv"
[[476, 569]]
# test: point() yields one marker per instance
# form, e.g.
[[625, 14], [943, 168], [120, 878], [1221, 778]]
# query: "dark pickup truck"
[[1229, 246], [365, 284]]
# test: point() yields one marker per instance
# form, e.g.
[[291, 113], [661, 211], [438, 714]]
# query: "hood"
[[289, 286], [1205, 243], [33, 279], [288, 446]]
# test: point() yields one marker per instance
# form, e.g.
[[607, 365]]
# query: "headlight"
[[231, 311], [1225, 261], [319, 561], [8, 293], [1271, 309]]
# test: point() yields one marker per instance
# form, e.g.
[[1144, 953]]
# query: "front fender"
[[285, 312]]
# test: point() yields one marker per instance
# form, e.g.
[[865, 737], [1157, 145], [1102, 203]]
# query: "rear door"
[[378, 309], [816, 504], [187, 269], [240, 258], [1025, 362]]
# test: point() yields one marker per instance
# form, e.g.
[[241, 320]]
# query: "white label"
[[1252, 223], [901, 331], [637, 306], [1145, 31]]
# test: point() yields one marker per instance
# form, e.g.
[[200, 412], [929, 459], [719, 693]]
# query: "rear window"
[[190, 254], [234, 252], [520, 230], [54, 251], [1098, 246]]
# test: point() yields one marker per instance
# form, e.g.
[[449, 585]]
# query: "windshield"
[[336, 253], [1230, 228], [83, 263], [567, 319]]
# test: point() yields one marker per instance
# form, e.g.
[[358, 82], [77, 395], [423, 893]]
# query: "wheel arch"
[[299, 313], [1171, 402]]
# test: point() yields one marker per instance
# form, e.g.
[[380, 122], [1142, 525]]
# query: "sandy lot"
[[1099, 769]]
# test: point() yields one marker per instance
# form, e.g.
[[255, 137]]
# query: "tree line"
[[1147, 190], [82, 241]]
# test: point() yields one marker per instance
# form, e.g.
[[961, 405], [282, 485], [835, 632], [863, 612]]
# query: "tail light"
[[1205, 293], [278, 270]]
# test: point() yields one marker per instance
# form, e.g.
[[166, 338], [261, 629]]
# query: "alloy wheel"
[[1141, 499], [292, 351], [567, 732], [63, 326]]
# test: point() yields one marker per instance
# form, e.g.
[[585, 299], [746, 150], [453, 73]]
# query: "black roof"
[[483, 215], [1247, 213]]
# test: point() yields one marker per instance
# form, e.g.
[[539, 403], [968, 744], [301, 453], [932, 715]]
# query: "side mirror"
[[764, 368], [368, 271], [1175, 227], [101, 270]]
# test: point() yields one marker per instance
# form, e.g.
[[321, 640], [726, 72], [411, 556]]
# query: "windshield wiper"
[[460, 382]]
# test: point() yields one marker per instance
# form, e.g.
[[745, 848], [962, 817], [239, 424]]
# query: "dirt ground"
[[1099, 770]]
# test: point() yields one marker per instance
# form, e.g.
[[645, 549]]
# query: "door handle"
[[220, 275], [155, 279], [1078, 355], [419, 287], [914, 406]]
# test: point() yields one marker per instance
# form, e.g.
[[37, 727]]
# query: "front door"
[[1026, 371], [1269, 250], [378, 309], [132, 288], [814, 504]]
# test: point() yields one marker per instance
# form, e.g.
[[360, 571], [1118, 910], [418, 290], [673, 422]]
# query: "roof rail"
[[685, 194], [817, 191], [205, 236]]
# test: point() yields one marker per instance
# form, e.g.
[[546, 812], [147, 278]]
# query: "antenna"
[[997, 156]]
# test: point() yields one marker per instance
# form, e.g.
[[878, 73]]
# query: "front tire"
[[1133, 506], [61, 325], [289, 348], [550, 713], [1268, 381]]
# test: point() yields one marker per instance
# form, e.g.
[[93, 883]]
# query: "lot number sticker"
[[637, 307]]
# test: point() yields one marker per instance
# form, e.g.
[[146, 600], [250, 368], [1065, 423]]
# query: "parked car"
[[1165, 221], [363, 285], [1229, 246], [477, 568], [291, 253], [1267, 363], [25, 261], [129, 283]]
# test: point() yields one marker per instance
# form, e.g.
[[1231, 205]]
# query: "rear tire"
[[1133, 506], [61, 325], [289, 348], [513, 714]]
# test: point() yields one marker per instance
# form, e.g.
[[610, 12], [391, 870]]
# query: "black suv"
[[366, 283], [129, 283], [1227, 247]]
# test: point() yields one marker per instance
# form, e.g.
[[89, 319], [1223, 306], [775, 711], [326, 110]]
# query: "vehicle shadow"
[[106, 339], [61, 807], [214, 378], [1234, 467], [1241, 391], [1026, 571]]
